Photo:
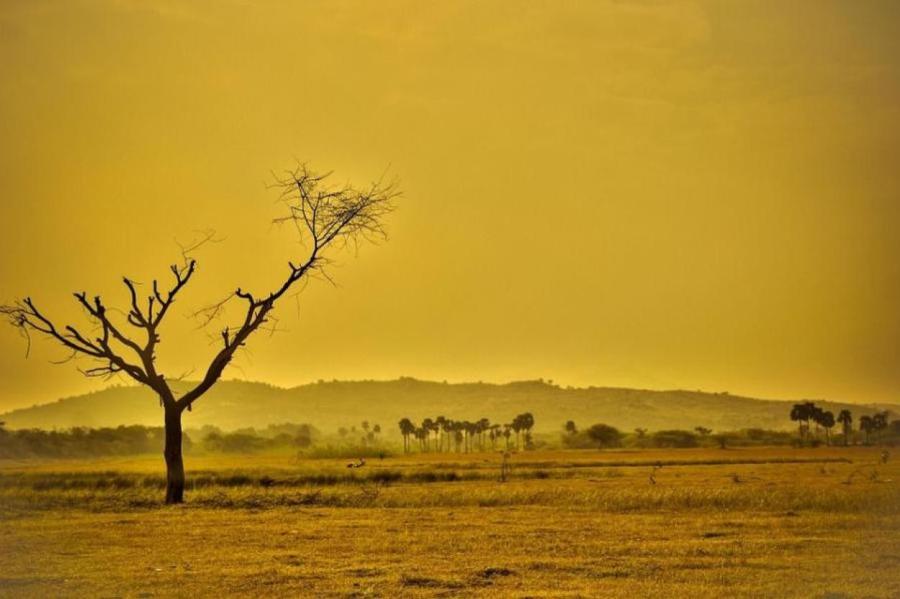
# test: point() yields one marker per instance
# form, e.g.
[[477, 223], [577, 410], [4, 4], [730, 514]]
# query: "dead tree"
[[326, 216]]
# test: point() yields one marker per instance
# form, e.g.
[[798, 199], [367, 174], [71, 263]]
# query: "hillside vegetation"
[[329, 405]]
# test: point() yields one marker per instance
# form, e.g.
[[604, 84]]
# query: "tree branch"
[[324, 216]]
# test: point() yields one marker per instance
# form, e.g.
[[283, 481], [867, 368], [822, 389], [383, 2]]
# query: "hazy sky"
[[655, 194]]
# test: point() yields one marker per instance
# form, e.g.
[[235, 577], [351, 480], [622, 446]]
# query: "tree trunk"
[[174, 459]]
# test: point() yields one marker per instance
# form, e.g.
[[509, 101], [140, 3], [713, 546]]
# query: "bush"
[[232, 443], [674, 438], [386, 476], [604, 435], [578, 440]]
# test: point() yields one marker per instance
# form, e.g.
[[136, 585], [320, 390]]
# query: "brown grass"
[[766, 522]]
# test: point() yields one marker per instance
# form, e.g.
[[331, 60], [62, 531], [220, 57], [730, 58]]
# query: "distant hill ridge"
[[329, 405]]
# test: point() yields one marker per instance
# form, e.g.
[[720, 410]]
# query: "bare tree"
[[327, 217]]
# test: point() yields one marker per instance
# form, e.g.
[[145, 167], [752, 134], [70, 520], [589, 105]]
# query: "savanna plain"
[[747, 522]]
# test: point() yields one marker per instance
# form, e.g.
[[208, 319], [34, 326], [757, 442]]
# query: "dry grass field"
[[765, 522]]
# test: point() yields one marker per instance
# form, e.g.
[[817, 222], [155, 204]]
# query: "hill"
[[329, 405]]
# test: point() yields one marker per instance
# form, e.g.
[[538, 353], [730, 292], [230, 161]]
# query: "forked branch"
[[326, 216]]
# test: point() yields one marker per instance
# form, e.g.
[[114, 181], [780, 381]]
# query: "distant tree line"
[[134, 440], [249, 440], [444, 434], [815, 426], [808, 415], [82, 442], [370, 436], [603, 436]]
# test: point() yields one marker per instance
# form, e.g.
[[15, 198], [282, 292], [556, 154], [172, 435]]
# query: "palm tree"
[[797, 416], [516, 426], [452, 427], [483, 425], [457, 435], [801, 413], [879, 422], [529, 440], [447, 428], [816, 414], [527, 425], [495, 434], [441, 423], [407, 428], [436, 430], [866, 425], [846, 420], [427, 427], [571, 428], [474, 429], [522, 422], [827, 421]]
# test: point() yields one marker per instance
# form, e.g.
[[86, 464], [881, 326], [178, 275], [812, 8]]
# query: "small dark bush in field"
[[309, 498], [541, 474], [120, 482], [46, 485], [431, 476], [385, 476], [319, 480], [418, 581], [722, 440], [84, 482], [491, 572], [236, 480]]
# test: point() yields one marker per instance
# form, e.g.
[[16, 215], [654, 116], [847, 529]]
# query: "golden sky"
[[699, 195]]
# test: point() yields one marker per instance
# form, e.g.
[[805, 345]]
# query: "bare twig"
[[326, 217]]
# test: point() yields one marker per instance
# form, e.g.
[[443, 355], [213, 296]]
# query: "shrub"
[[674, 438], [604, 435]]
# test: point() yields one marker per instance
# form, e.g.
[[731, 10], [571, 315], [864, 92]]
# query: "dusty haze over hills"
[[333, 404], [633, 194]]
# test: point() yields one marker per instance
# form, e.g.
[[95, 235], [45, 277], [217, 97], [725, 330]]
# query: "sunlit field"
[[706, 522]]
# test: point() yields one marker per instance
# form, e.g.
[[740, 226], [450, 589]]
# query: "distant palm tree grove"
[[442, 434], [807, 414]]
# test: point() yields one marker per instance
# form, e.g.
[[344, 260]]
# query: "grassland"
[[708, 523]]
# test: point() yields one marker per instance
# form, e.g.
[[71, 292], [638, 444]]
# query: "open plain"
[[703, 523]]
